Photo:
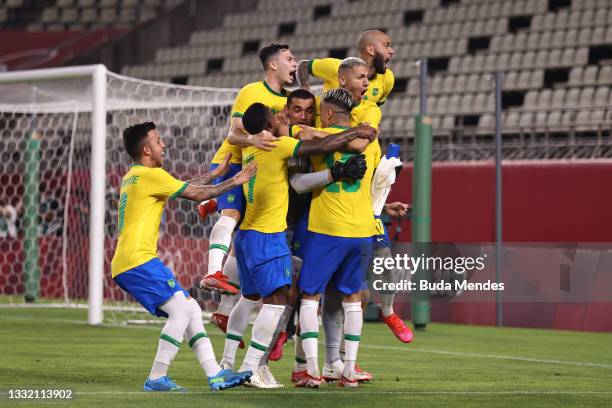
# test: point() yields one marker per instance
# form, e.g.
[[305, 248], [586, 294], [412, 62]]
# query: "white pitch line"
[[324, 392], [486, 355], [370, 346]]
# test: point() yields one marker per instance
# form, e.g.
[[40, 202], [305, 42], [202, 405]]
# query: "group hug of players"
[[316, 158]]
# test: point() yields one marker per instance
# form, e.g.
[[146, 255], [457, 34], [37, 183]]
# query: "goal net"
[[56, 199]]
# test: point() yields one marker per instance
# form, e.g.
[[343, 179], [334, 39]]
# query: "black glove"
[[354, 168]]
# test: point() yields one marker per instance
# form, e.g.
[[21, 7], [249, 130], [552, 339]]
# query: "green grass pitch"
[[449, 365]]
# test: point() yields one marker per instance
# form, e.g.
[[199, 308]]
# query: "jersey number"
[[122, 204], [347, 186]]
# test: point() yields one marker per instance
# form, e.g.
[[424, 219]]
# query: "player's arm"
[[239, 137], [200, 193], [219, 171], [336, 143], [396, 209], [303, 75], [353, 169]]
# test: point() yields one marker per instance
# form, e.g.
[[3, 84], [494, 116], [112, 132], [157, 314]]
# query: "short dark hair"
[[270, 51], [339, 97], [134, 136], [256, 118], [299, 94]]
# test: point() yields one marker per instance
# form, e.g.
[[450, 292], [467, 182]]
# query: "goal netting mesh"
[[45, 145]]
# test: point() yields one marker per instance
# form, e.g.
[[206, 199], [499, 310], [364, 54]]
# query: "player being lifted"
[[279, 67], [375, 49], [137, 269], [264, 260]]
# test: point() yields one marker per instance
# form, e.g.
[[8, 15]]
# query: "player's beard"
[[380, 66]]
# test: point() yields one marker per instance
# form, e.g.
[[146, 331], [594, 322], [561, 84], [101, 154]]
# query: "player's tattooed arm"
[[303, 75], [200, 193], [206, 178], [338, 142]]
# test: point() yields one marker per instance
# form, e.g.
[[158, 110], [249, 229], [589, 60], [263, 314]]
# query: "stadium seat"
[[605, 75], [601, 96], [544, 99], [590, 75], [558, 98], [586, 96], [540, 121], [531, 100], [575, 76], [572, 97]]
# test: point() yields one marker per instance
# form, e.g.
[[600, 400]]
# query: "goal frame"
[[98, 75]]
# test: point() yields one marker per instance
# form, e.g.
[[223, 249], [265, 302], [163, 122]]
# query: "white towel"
[[383, 179]]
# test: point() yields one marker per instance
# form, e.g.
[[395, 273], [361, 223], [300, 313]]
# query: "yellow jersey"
[[144, 192], [344, 209], [327, 69], [267, 192], [248, 95], [366, 111]]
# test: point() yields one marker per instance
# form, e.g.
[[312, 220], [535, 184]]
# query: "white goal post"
[[97, 75], [80, 113]]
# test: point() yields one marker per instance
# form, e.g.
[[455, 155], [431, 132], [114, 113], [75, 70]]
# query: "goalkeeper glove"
[[354, 168]]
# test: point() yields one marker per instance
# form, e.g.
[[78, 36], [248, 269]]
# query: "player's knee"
[[196, 310], [353, 298], [232, 213]]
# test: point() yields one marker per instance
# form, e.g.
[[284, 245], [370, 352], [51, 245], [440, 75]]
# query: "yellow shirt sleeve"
[[242, 102], [372, 115], [326, 68], [389, 81], [287, 147], [294, 130], [161, 184]]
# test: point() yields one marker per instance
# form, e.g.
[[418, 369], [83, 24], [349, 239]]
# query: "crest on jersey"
[[171, 283], [375, 91], [231, 198]]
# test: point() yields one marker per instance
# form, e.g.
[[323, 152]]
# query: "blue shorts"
[[151, 284], [381, 240], [264, 262], [231, 199], [341, 262], [301, 236]]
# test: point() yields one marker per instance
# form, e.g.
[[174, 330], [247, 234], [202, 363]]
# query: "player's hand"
[[306, 133], [263, 140], [396, 209], [246, 173], [223, 168], [354, 168], [365, 131]]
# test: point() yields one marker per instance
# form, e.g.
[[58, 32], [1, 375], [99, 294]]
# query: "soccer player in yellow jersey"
[[136, 267], [375, 49], [264, 258], [340, 247], [280, 67]]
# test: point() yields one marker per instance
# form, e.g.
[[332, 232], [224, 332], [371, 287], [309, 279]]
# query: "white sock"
[[219, 241], [331, 315], [236, 326], [198, 340], [353, 322], [230, 269], [179, 314], [386, 303], [281, 326], [263, 331], [300, 357], [309, 325]]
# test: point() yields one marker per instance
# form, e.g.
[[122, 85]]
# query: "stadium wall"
[[545, 201]]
